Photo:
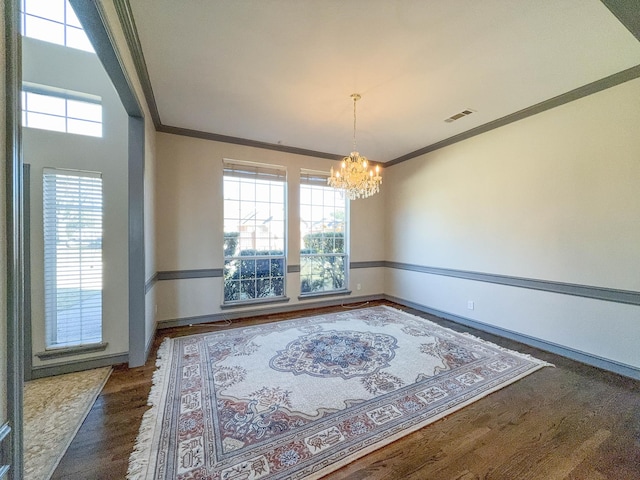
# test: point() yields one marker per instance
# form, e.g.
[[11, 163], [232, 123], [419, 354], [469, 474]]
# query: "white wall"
[[189, 220], [551, 197], [115, 29], [54, 65]]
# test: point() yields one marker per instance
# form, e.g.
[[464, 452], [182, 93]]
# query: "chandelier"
[[354, 176]]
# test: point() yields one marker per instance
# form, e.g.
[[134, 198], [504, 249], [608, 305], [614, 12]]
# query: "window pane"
[[84, 110], [231, 189], [263, 191], [45, 104], [82, 127], [46, 30], [51, 9], [72, 19], [77, 38], [263, 212], [232, 211], [248, 191], [46, 122], [247, 211]]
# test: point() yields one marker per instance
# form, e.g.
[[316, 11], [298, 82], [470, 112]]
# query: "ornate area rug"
[[300, 398], [53, 410]]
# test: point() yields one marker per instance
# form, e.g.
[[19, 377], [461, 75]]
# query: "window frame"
[[256, 172], [62, 94], [315, 178]]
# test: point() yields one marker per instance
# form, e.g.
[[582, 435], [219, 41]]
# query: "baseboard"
[[231, 315], [78, 366], [147, 349], [577, 355]]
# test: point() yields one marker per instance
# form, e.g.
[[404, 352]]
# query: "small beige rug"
[[54, 409]]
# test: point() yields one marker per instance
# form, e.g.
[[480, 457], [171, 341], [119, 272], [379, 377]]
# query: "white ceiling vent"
[[458, 116]]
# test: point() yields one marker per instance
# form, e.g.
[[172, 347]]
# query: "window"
[[254, 231], [323, 230], [54, 21], [59, 110], [72, 257]]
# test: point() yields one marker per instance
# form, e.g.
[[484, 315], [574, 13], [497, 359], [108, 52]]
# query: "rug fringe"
[[140, 457]]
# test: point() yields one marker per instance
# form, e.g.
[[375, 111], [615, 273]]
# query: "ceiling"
[[282, 71]]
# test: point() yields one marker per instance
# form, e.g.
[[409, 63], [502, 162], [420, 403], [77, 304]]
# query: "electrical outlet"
[[470, 305], [359, 286]]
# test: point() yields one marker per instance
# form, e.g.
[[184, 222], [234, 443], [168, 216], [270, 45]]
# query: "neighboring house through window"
[[323, 230], [73, 211], [254, 231]]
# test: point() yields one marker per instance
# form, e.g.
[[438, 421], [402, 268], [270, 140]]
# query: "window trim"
[[51, 317]]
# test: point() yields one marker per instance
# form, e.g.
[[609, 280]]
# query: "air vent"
[[458, 116]]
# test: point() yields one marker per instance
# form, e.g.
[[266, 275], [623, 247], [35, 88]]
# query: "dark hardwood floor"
[[572, 421]]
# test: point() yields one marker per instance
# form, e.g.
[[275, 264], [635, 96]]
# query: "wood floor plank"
[[572, 421]]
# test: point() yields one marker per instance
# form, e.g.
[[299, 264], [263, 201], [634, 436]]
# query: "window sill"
[[251, 303], [333, 293], [69, 351]]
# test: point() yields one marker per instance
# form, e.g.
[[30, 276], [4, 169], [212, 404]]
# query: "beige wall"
[[189, 222], [552, 197]]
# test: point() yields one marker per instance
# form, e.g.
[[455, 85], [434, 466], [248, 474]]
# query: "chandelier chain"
[[355, 99]]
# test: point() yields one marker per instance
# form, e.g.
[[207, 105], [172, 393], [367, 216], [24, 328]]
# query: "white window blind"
[[314, 177], [73, 211], [254, 171]]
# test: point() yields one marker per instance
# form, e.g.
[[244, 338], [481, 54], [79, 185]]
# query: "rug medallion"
[[300, 398]]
